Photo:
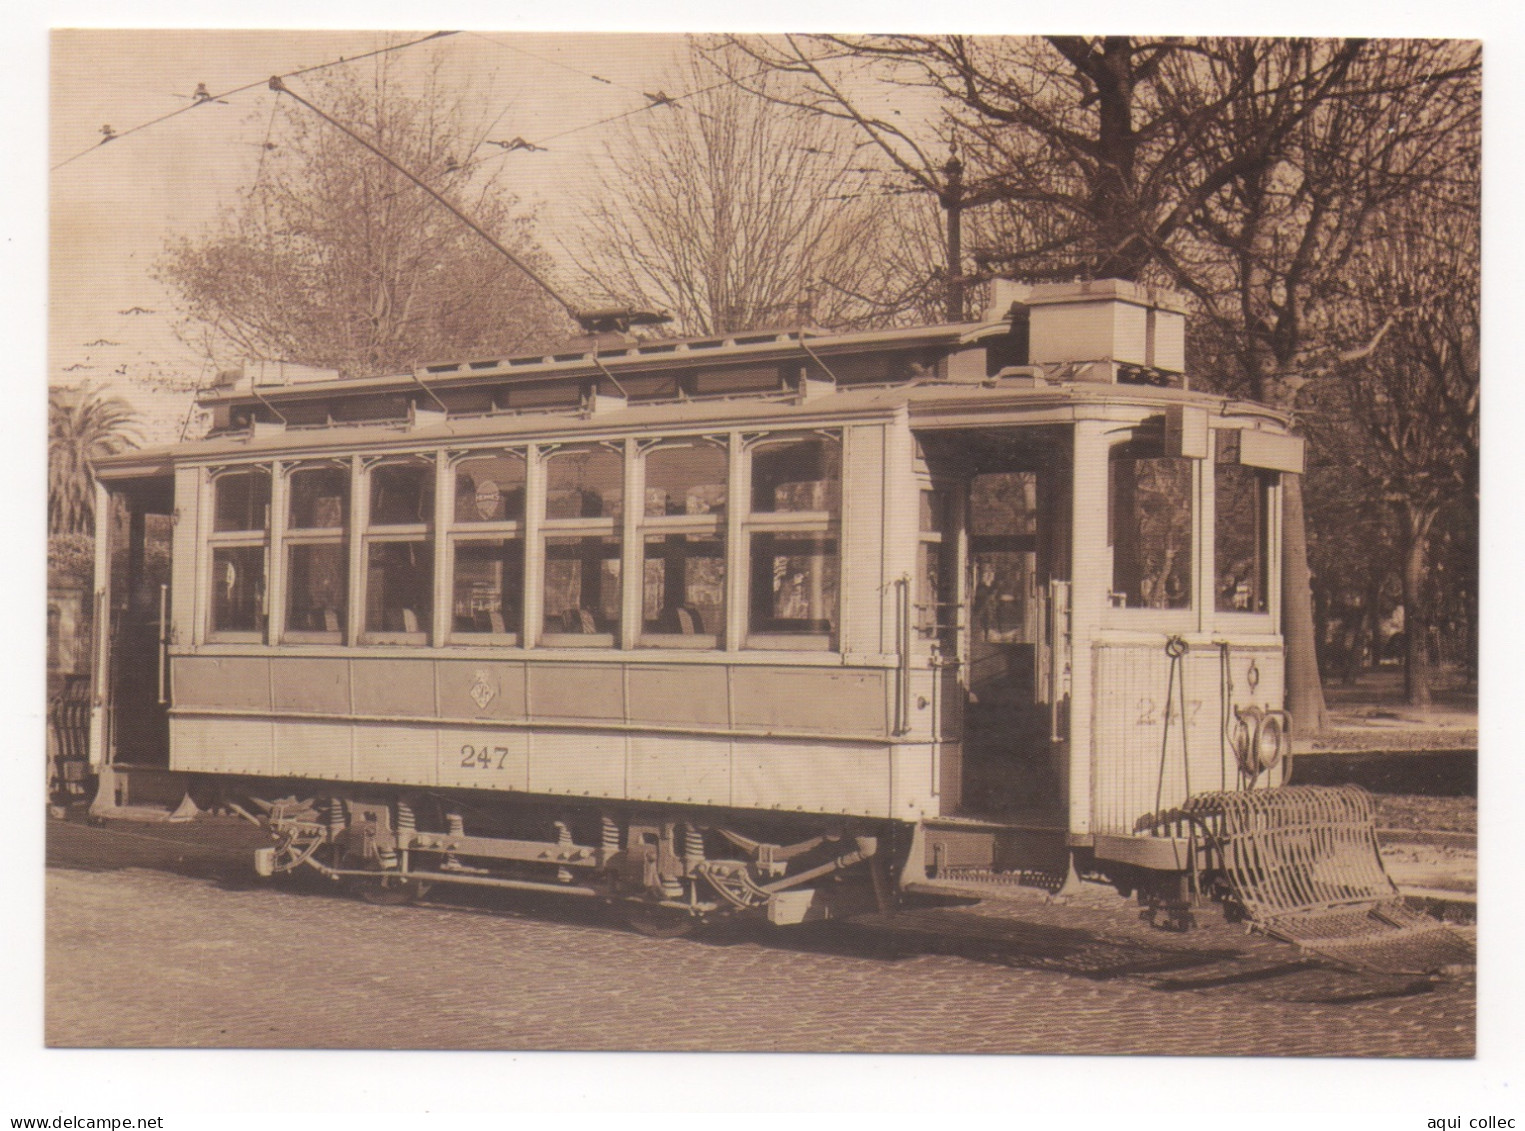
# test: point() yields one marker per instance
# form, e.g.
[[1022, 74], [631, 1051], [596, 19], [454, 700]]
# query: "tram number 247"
[[483, 757], [1149, 713]]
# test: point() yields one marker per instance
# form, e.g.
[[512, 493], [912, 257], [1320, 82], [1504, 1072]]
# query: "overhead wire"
[[487, 38], [277, 84], [117, 136], [651, 104]]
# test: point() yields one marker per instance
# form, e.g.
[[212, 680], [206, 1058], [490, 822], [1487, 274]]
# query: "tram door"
[[1014, 639], [132, 692]]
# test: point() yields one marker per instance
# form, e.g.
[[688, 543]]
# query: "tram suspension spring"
[[693, 846], [565, 843]]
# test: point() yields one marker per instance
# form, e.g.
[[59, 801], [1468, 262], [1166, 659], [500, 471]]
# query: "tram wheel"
[[389, 891], [658, 922]]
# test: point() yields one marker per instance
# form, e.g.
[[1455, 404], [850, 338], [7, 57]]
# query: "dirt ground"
[[1424, 781], [1427, 814], [1370, 714]]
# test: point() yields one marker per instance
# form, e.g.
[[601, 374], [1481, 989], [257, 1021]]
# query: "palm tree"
[[84, 424]]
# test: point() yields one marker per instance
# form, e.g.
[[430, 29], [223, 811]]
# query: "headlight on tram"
[[1261, 738]]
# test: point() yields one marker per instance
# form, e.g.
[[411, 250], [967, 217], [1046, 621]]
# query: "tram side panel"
[[807, 738]]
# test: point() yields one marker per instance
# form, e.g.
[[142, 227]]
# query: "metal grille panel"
[[1304, 863]]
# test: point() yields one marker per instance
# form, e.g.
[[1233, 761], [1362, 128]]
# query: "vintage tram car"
[[774, 622]]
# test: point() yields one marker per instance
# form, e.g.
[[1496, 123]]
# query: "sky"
[[115, 203], [107, 214]]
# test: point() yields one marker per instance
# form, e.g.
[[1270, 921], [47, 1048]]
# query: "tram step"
[[980, 883], [147, 814]]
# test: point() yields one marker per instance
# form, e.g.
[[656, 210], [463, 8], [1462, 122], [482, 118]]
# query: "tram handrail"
[[903, 699], [163, 644], [100, 642]]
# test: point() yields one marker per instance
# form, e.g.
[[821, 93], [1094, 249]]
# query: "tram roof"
[[590, 360], [932, 404]]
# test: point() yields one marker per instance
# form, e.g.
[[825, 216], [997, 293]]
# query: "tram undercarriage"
[[665, 871], [1299, 863]]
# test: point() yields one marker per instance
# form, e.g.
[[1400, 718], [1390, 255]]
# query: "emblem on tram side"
[[482, 690]]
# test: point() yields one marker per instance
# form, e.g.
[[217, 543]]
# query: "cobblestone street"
[[161, 936]]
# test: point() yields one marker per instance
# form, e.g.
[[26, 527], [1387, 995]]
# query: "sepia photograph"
[[696, 542]]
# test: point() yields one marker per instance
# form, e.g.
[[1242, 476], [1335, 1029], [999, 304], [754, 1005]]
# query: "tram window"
[[238, 589], [399, 590], [585, 498], [800, 475], [582, 590], [683, 591], [399, 563], [1003, 557], [490, 489], [488, 587], [1241, 538], [794, 557], [1149, 528], [317, 588], [585, 482], [402, 494], [240, 532], [319, 498], [686, 479], [684, 567], [243, 501], [317, 557], [936, 615], [794, 586]]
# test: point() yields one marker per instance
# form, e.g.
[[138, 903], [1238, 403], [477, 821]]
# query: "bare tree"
[[1270, 257], [1245, 172], [731, 212], [335, 259], [1414, 401]]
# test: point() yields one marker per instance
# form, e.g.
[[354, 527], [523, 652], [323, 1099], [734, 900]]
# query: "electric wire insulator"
[[611, 837], [407, 824], [455, 824], [336, 821]]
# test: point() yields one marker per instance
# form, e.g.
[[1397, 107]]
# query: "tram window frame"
[[1262, 483], [300, 538], [472, 529], [1005, 606], [227, 543], [603, 531], [940, 521], [779, 525], [1123, 598], [381, 536], [673, 625]]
